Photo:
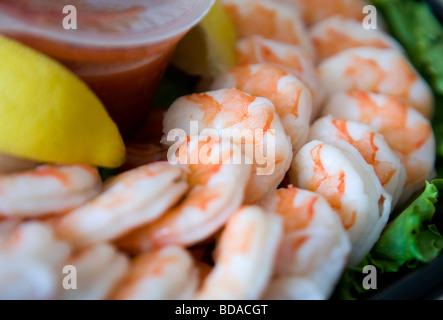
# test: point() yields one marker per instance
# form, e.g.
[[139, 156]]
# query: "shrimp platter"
[[270, 180]]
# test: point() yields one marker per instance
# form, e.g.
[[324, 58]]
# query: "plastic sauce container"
[[120, 48]]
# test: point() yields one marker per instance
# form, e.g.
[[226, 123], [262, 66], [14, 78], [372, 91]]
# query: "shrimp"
[[384, 71], [314, 11], [407, 132], [244, 256], [217, 190], [31, 260], [315, 246], [251, 121], [269, 19], [351, 187], [130, 200], [346, 134], [168, 273], [336, 34], [291, 98], [292, 58], [99, 270], [47, 189], [10, 164]]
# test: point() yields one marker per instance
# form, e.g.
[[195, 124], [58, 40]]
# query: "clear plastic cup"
[[120, 48]]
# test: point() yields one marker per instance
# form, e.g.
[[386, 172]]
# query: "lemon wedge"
[[47, 114], [208, 49]]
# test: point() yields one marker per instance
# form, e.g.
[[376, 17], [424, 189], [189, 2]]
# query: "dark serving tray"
[[424, 283], [437, 7]]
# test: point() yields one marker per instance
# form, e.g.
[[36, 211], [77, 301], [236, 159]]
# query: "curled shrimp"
[[130, 200], [350, 186], [31, 260], [269, 19], [384, 71], [168, 273], [217, 190], [314, 250], [294, 59], [406, 131], [292, 100], [346, 134], [337, 34], [314, 11], [99, 269], [244, 256], [47, 189], [253, 124]]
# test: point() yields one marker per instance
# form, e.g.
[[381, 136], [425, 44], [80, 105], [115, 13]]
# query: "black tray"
[[424, 283]]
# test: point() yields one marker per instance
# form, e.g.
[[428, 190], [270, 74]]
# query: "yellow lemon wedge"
[[208, 49], [47, 114]]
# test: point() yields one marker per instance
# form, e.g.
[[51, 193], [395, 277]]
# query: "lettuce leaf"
[[416, 27], [411, 239]]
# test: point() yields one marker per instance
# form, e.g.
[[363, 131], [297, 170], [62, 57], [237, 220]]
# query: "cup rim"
[[152, 36]]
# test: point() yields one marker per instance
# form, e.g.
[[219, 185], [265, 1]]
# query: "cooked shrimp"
[[168, 273], [99, 268], [292, 100], [315, 246], [252, 121], [406, 131], [376, 70], [244, 256], [47, 189], [294, 59], [317, 10], [31, 261], [346, 134], [336, 34], [10, 164], [130, 200], [351, 187], [217, 190], [269, 19]]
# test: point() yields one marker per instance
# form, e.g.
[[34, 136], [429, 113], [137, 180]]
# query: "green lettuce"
[[415, 26], [409, 240]]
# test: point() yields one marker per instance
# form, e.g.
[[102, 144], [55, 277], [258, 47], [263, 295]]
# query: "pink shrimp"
[[314, 249], [269, 19], [99, 269], [314, 11], [31, 260], [217, 190], [251, 121], [294, 59], [384, 71], [406, 131], [130, 200], [168, 273], [351, 187], [47, 189], [337, 34], [291, 98], [347, 135], [244, 256]]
